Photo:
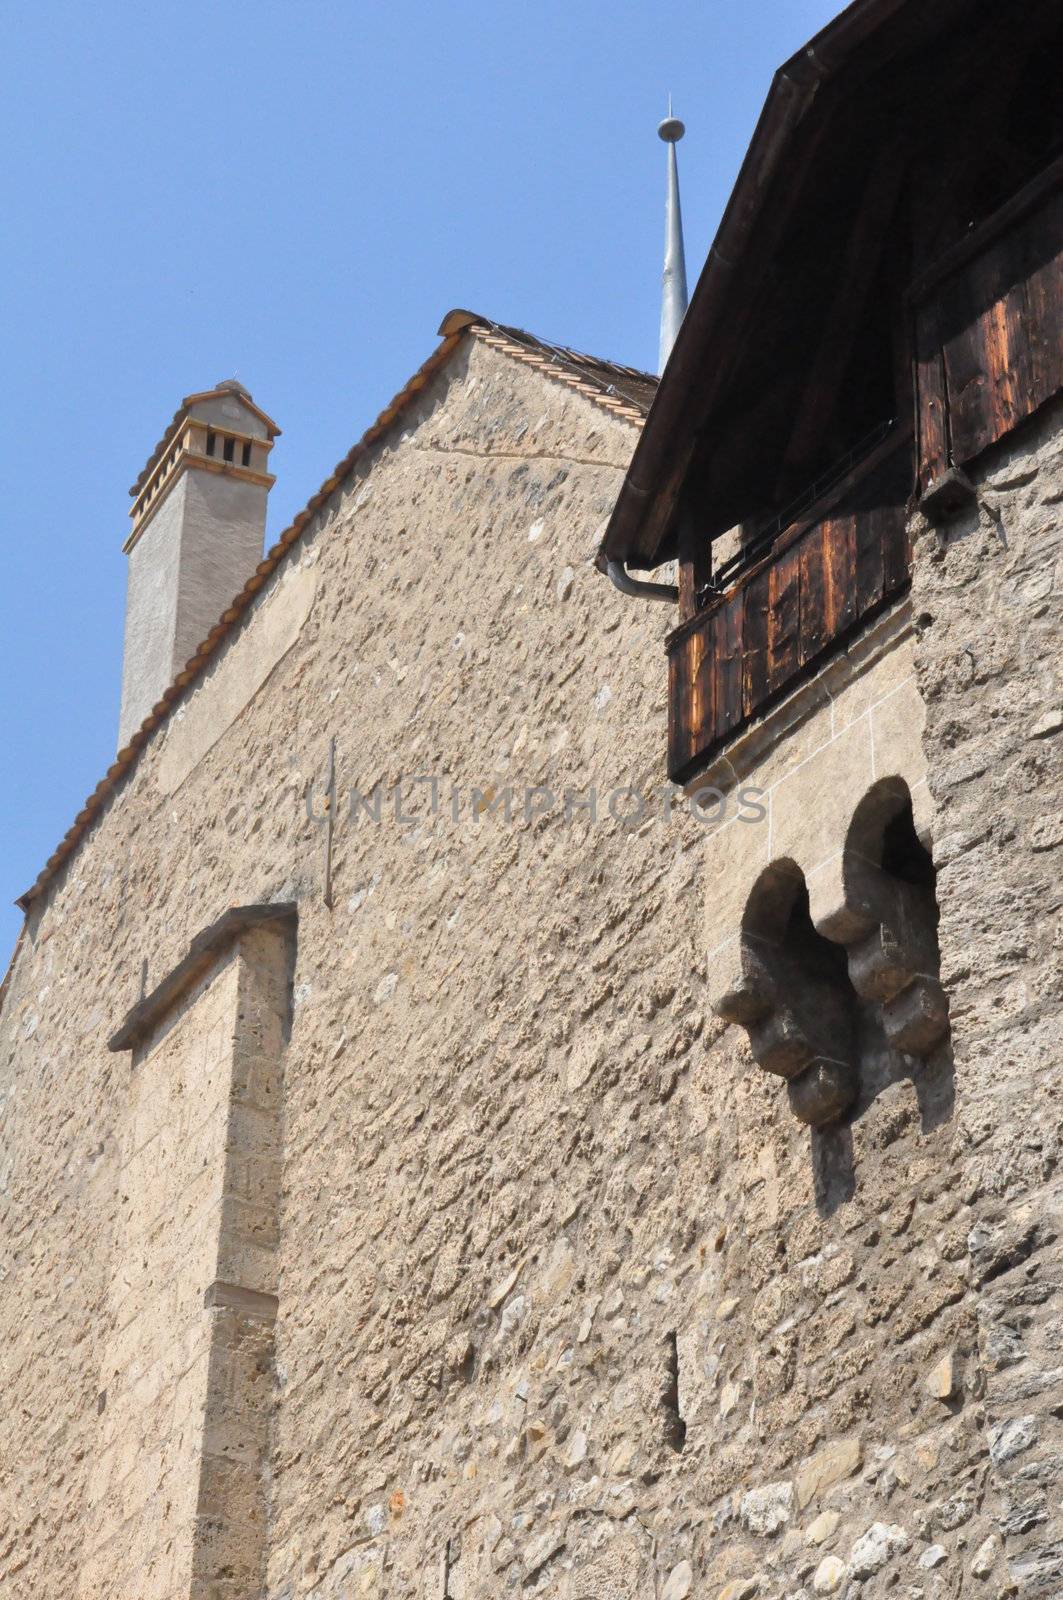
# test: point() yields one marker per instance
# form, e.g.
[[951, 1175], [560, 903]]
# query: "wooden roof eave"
[[766, 193]]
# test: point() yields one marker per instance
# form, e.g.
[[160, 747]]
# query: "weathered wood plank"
[[896, 552], [755, 651], [932, 417], [813, 626], [680, 738], [957, 317], [1044, 328], [729, 712], [1003, 321], [784, 616], [839, 539], [895, 500], [695, 563], [1045, 332], [703, 682], [870, 535]]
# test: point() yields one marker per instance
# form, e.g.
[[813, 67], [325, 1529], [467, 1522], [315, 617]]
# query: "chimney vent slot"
[[245, 456], [227, 449], [211, 442]]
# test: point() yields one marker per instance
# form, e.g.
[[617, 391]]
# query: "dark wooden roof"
[[842, 118]]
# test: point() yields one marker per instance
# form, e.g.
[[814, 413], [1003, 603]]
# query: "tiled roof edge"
[[563, 366], [11, 965]]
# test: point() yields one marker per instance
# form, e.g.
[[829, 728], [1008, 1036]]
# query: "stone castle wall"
[[987, 605], [442, 617], [569, 1302]]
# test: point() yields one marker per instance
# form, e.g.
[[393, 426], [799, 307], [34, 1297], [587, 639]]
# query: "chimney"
[[199, 519]]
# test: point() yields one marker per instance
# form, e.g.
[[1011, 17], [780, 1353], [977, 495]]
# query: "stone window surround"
[[200, 1326], [843, 746]]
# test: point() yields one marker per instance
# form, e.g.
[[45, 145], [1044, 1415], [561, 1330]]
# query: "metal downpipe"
[[620, 577]]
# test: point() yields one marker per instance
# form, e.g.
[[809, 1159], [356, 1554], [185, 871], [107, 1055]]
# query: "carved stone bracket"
[[895, 965], [798, 1015], [803, 962], [886, 918]]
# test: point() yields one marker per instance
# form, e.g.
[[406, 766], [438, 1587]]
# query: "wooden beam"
[[932, 399], [695, 564], [1013, 211]]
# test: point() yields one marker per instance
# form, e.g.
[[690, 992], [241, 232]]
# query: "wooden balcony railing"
[[823, 578], [989, 329]]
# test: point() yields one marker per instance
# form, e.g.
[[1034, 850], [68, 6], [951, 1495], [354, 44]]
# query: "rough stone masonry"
[[445, 1243]]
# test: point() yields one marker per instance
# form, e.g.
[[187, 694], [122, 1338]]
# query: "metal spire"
[[674, 280]]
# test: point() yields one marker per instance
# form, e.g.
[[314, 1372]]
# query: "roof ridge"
[[578, 355], [612, 386]]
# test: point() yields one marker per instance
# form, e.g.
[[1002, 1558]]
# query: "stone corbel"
[[889, 930], [893, 957], [798, 1017]]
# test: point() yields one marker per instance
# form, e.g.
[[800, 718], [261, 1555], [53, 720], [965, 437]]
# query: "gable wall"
[[453, 604], [537, 1207]]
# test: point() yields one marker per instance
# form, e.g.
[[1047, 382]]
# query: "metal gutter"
[[619, 576]]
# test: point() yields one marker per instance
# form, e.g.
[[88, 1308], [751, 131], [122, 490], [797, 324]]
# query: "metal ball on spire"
[[671, 130]]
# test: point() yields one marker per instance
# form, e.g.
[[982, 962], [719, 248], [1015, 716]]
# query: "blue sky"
[[294, 194]]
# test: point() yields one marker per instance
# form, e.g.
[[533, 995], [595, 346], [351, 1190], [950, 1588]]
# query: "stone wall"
[[987, 606], [570, 1302], [177, 1489], [140, 1508], [453, 624]]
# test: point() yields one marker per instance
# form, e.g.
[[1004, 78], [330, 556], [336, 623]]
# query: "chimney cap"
[[227, 386], [234, 386]]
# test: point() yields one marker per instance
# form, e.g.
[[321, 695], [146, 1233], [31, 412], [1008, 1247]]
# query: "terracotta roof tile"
[[617, 388]]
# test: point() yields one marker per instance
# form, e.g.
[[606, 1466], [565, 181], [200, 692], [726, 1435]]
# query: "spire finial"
[[674, 282]]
